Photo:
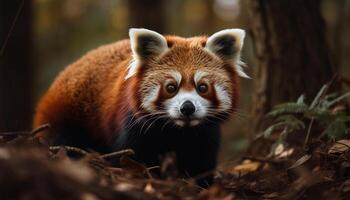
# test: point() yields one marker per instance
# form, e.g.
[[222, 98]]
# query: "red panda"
[[152, 93]]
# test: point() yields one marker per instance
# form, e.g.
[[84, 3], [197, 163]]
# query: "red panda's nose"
[[187, 108]]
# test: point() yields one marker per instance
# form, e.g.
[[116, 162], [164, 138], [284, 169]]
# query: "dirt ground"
[[30, 169]]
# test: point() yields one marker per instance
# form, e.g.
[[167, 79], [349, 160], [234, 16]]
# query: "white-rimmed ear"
[[145, 44], [227, 45]]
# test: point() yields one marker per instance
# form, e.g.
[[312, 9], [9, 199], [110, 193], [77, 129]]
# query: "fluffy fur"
[[117, 96]]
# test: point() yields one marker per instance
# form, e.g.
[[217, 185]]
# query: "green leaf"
[[343, 117], [289, 123], [338, 99], [301, 99], [336, 129], [331, 96], [319, 114], [318, 96], [272, 128], [288, 108], [291, 116], [292, 122]]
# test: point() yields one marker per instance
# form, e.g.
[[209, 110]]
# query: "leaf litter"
[[30, 169]]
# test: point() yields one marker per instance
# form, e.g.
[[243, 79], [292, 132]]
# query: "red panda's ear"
[[145, 44], [227, 45]]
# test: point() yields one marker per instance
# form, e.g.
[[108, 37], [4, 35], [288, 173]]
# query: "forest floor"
[[30, 169]]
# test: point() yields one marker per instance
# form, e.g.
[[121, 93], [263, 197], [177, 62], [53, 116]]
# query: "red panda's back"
[[77, 94]]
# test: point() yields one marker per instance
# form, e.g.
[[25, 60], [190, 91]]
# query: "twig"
[[308, 132], [195, 185], [15, 133], [11, 28], [152, 168], [334, 77], [118, 154], [97, 164], [70, 149], [116, 169], [148, 173], [40, 128], [35, 131]]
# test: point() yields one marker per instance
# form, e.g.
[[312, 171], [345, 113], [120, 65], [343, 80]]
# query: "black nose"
[[187, 108]]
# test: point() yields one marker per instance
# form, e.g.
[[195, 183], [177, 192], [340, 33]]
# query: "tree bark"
[[291, 52], [16, 69], [147, 14]]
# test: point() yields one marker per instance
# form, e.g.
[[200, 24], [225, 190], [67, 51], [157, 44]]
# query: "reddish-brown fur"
[[93, 92]]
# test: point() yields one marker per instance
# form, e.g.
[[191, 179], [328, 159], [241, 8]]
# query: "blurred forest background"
[[38, 38]]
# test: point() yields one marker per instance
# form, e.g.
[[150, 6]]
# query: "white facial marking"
[[224, 99], [199, 75], [180, 123], [149, 98], [177, 76], [194, 122], [173, 106]]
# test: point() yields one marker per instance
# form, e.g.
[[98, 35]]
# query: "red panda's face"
[[188, 81]]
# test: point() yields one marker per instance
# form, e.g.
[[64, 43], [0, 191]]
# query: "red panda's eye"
[[202, 88], [171, 88]]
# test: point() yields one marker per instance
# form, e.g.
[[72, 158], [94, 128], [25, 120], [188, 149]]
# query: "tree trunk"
[[147, 14], [16, 70], [291, 51]]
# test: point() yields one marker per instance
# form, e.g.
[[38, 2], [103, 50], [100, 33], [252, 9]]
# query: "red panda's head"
[[188, 81]]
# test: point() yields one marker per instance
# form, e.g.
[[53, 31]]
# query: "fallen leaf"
[[286, 153], [4, 153], [149, 188], [339, 147], [122, 187], [301, 161], [89, 196], [246, 166], [279, 149], [345, 187], [132, 166]]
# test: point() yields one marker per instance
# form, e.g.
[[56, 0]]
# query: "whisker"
[[160, 117], [164, 125], [150, 119], [138, 120]]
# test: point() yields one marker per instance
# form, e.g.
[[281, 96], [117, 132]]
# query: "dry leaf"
[[340, 146], [246, 166], [286, 153], [149, 188], [132, 166], [301, 161], [345, 187], [279, 149], [122, 187], [89, 196]]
